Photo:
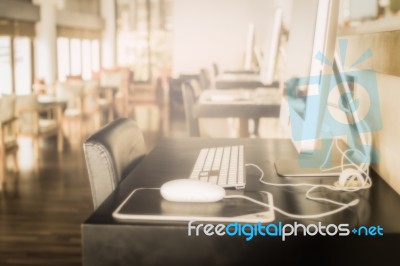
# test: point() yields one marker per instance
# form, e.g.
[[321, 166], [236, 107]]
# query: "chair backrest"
[[91, 96], [110, 78], [189, 100], [26, 107], [7, 107], [72, 91], [111, 154]]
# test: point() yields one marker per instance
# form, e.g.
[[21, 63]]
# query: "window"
[[86, 60], [5, 65], [63, 58], [77, 57], [95, 55], [22, 65], [15, 65], [144, 36]]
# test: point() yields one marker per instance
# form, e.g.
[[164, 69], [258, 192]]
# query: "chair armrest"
[[56, 109], [39, 108], [28, 110], [6, 125], [9, 121], [48, 108], [146, 87]]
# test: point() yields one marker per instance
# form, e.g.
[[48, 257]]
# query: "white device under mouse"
[[189, 190], [158, 209]]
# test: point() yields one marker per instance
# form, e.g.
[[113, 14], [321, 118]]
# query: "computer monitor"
[[248, 55], [343, 116], [265, 57], [258, 55], [311, 47], [270, 49]]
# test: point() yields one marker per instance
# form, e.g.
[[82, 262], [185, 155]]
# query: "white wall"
[[384, 45], [387, 141], [46, 37], [45, 41], [108, 41], [210, 31]]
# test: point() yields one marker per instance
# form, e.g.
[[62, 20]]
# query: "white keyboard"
[[223, 166]]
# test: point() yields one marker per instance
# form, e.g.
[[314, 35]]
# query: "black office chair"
[[189, 100], [111, 154]]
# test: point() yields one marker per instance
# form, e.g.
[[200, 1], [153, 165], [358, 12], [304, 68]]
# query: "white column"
[[46, 42], [108, 42]]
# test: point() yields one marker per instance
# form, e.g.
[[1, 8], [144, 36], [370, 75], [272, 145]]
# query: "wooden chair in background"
[[113, 83], [39, 121], [8, 134], [72, 91]]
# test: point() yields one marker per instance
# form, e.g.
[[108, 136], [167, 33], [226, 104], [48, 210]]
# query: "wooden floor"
[[43, 206], [42, 209]]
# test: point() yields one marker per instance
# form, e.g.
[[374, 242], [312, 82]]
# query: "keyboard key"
[[204, 178], [200, 159], [217, 159], [209, 160], [213, 179]]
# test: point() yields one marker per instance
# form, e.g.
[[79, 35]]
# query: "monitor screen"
[[311, 47], [270, 51], [343, 107], [310, 53], [248, 55]]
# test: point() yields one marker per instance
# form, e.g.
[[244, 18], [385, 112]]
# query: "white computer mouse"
[[190, 190]]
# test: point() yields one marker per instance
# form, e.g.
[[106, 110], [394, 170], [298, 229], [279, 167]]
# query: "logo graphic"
[[344, 103], [281, 230]]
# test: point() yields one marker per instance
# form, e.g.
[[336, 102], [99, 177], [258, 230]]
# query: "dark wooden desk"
[[52, 105], [241, 80], [256, 107], [49, 100], [108, 242]]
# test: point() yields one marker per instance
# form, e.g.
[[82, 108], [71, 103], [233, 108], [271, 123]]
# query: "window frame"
[[81, 39], [12, 59]]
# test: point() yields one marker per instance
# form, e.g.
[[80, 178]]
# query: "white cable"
[[297, 216], [308, 196], [326, 159], [343, 153], [366, 181], [148, 188], [366, 140], [362, 178], [347, 189]]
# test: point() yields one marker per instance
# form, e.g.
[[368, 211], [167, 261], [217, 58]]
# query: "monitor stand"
[[292, 168]]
